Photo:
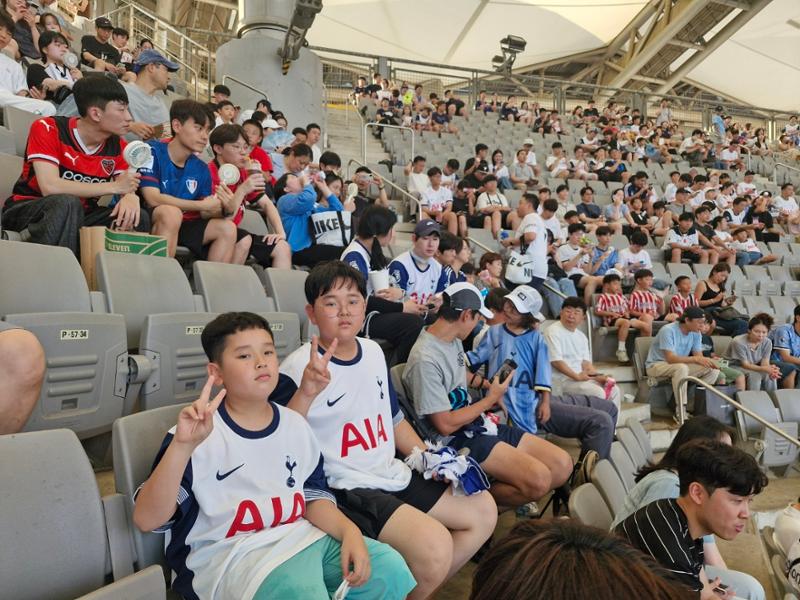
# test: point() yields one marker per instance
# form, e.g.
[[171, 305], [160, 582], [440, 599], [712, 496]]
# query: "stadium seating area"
[[122, 360]]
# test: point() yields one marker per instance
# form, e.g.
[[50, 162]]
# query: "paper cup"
[[379, 280]]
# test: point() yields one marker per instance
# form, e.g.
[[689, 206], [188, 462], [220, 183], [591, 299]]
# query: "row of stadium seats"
[[136, 339]]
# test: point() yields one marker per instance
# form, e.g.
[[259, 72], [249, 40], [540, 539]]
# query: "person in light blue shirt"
[[604, 255], [660, 480], [677, 352], [297, 201], [718, 125], [786, 350]]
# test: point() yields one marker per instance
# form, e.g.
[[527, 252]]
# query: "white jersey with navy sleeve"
[[241, 505], [419, 285], [531, 377], [353, 419], [358, 257]]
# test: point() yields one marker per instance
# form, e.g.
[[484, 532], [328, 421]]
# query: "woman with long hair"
[[564, 560], [659, 480], [388, 316], [710, 295]]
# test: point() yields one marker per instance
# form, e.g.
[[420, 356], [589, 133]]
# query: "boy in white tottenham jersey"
[[416, 271], [253, 508], [360, 427]]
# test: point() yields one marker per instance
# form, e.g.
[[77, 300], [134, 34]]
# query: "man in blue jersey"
[[176, 185], [416, 271], [524, 466]]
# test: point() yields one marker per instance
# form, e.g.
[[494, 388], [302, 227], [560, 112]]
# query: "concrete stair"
[[344, 133]]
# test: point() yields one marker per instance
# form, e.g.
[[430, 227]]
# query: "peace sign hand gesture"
[[196, 421], [316, 376]]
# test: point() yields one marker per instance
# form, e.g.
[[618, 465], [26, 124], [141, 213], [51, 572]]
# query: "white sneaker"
[[622, 356]]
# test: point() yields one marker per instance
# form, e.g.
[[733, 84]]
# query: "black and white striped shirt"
[[661, 530]]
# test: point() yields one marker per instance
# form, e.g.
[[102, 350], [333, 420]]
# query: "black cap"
[[103, 23], [427, 227], [693, 312]]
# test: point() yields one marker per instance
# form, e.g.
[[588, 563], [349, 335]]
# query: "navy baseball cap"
[[427, 227], [153, 57]]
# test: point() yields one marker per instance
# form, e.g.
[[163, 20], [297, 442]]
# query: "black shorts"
[[480, 446], [191, 236], [685, 255], [370, 509], [576, 279], [475, 221]]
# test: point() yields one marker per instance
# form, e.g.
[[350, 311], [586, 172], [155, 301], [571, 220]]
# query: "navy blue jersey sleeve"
[[397, 413], [398, 273], [151, 172], [444, 280], [480, 355], [356, 260], [316, 486], [185, 499], [284, 390]]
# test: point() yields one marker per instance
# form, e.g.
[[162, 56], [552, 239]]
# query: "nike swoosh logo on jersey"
[[222, 476], [332, 402]]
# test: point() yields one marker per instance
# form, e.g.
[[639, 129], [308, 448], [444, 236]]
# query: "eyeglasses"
[[240, 147]]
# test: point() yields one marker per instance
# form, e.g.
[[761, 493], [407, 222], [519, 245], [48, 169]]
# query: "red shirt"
[[56, 140], [614, 303], [258, 154], [213, 166], [645, 302], [678, 304]]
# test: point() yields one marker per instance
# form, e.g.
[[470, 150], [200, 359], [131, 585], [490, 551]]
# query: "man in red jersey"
[[70, 162]]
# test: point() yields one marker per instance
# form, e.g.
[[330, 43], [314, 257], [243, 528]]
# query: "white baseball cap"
[[270, 124], [527, 301], [527, 142], [465, 296]]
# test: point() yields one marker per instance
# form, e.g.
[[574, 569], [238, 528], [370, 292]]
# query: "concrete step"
[[344, 136]]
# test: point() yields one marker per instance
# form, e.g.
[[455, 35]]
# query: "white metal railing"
[[193, 57], [244, 84], [375, 124], [391, 184], [683, 397], [785, 166]]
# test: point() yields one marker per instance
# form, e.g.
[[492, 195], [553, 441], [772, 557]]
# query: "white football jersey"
[[419, 285], [354, 418], [241, 505]]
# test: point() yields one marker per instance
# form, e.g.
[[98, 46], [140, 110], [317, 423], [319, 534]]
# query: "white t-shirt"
[[785, 205], [675, 236], [566, 253], [748, 245], [537, 249], [419, 285], [436, 200], [733, 218], [669, 192], [745, 189], [554, 225], [570, 346], [787, 536], [633, 261], [729, 155], [531, 158], [353, 419], [555, 164], [485, 200], [12, 77], [418, 182]]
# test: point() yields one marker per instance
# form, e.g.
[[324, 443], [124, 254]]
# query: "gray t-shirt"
[[436, 375], [146, 108], [741, 350]]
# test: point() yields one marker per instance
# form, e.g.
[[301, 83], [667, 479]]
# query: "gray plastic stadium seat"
[[253, 222], [702, 271], [623, 464], [757, 304], [43, 289], [770, 288], [610, 486], [19, 122], [631, 444], [226, 287], [783, 309], [588, 507], [162, 322], [744, 287], [641, 436], [678, 269], [781, 274], [287, 288], [777, 452], [756, 273], [135, 441], [59, 536], [788, 404]]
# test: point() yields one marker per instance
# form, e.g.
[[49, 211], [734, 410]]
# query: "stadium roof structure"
[[743, 50]]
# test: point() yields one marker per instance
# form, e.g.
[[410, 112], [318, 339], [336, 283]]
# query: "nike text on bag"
[[519, 268], [332, 228], [95, 240]]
